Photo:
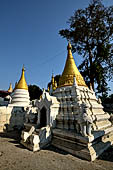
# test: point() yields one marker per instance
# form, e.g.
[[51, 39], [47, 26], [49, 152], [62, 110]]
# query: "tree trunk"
[[91, 70]]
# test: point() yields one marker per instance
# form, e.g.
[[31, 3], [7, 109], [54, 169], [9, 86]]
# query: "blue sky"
[[29, 35]]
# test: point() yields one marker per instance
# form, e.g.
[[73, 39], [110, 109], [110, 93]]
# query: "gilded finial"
[[23, 69], [70, 71], [69, 47], [53, 80], [48, 89], [22, 82], [10, 88], [54, 86]]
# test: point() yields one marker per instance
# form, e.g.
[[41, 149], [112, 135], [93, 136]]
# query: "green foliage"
[[107, 100], [91, 36], [34, 91]]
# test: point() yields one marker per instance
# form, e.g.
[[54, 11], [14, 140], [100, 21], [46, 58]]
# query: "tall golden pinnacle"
[[53, 81], [54, 84], [22, 82], [70, 71], [10, 88]]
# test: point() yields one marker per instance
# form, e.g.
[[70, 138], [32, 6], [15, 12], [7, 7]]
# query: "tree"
[[108, 99], [34, 91], [91, 36], [107, 102]]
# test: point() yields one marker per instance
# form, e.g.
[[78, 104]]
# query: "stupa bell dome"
[[71, 71], [22, 82]]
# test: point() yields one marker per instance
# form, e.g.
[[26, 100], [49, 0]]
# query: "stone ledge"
[[89, 151]]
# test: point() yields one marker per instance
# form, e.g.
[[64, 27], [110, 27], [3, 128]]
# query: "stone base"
[[1, 128], [88, 148], [30, 146], [36, 140]]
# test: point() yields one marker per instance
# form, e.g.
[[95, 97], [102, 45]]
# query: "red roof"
[[4, 93]]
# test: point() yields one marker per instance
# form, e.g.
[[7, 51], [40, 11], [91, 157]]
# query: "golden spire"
[[54, 84], [53, 81], [70, 71], [22, 82], [10, 88], [48, 89]]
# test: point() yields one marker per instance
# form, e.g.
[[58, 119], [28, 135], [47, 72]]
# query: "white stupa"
[[20, 96]]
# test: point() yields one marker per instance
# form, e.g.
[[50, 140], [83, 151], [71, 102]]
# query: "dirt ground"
[[14, 156]]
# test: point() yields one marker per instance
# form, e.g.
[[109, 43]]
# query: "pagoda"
[[70, 117], [20, 95], [82, 127], [13, 114], [71, 71]]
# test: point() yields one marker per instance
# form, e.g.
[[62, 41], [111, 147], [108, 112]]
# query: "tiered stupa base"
[[86, 138], [88, 148], [20, 97]]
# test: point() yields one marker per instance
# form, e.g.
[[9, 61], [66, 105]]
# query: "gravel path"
[[14, 156]]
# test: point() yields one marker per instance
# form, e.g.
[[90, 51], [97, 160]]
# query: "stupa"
[[13, 114], [82, 127], [20, 96], [70, 117]]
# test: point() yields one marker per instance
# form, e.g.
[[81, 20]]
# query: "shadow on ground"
[[107, 155], [12, 135], [16, 136], [54, 149]]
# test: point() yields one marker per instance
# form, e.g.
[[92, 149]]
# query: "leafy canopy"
[[91, 35], [34, 91]]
